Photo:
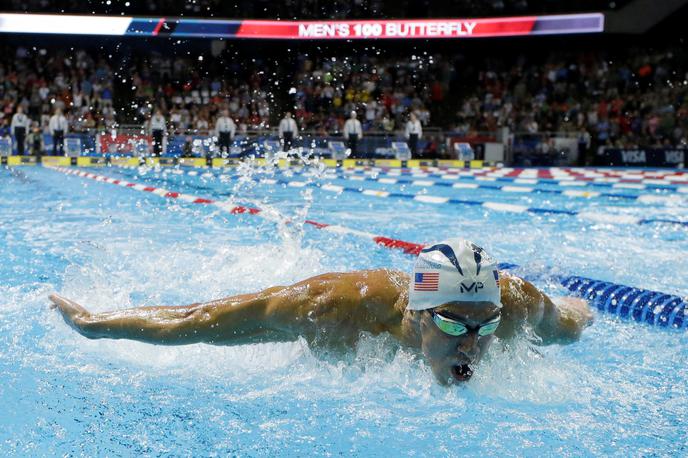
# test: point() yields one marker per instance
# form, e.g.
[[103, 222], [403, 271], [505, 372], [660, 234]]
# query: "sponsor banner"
[[303, 30], [645, 157]]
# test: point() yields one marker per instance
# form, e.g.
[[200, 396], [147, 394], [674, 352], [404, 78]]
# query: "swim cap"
[[455, 270]]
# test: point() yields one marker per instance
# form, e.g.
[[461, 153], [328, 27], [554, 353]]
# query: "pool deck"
[[90, 161]]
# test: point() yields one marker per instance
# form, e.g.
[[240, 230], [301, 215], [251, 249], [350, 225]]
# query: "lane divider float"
[[559, 173], [571, 193], [597, 217], [615, 183]]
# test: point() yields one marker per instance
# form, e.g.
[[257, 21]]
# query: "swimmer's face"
[[453, 358]]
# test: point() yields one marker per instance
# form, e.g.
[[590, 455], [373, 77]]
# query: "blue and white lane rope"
[[440, 200], [467, 176], [644, 306], [534, 173], [573, 193]]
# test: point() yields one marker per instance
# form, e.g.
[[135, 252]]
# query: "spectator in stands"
[[158, 129], [353, 132], [225, 130], [413, 133], [58, 128], [20, 127], [287, 131]]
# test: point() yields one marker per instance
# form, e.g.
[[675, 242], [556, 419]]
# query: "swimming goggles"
[[457, 328]]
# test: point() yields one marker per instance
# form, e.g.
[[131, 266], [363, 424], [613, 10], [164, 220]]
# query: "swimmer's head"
[[455, 295]]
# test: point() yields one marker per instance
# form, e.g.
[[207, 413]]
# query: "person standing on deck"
[[158, 128], [58, 128], [413, 133], [287, 130], [20, 127], [353, 132], [225, 130]]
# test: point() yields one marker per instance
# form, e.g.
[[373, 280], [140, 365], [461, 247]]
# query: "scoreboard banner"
[[302, 30]]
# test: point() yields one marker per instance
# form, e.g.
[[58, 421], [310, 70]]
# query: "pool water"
[[621, 391]]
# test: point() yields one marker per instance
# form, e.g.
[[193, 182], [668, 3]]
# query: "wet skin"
[[332, 310]]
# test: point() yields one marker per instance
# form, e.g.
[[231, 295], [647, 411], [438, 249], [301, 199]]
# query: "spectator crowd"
[[637, 99], [625, 99], [41, 85]]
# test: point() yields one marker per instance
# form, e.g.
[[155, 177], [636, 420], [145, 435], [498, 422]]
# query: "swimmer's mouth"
[[461, 372]]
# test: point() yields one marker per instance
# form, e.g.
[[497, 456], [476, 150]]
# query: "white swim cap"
[[455, 270]]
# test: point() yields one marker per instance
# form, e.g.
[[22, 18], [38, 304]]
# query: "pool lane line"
[[634, 185], [552, 173], [496, 206], [645, 306], [570, 193], [505, 174], [598, 217], [574, 194], [625, 173], [494, 176]]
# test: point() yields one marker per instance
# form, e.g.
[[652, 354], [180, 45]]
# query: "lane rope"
[[446, 174], [598, 217], [462, 184], [556, 173]]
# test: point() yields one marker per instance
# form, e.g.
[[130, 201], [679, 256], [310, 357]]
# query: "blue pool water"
[[621, 391]]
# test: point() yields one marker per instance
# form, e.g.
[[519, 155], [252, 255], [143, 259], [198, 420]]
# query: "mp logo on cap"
[[473, 287]]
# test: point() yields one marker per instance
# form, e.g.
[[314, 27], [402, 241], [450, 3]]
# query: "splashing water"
[[620, 391]]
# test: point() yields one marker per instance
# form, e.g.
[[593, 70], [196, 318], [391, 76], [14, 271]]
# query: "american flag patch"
[[426, 281]]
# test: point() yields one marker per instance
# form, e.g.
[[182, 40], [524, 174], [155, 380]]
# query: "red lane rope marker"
[[387, 242]]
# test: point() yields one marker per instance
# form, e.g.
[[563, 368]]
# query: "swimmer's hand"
[[577, 310], [567, 321], [74, 314]]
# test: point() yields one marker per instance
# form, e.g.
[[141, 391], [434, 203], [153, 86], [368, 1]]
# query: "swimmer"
[[451, 308]]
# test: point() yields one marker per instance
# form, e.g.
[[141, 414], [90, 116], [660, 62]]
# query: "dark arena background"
[[595, 85], [318, 181]]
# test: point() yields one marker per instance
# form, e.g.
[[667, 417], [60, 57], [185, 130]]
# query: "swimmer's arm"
[[281, 313], [553, 323], [233, 320]]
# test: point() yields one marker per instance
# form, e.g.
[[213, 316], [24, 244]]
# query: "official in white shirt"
[[158, 126], [58, 128], [413, 133], [19, 127], [225, 130], [288, 130], [353, 132]]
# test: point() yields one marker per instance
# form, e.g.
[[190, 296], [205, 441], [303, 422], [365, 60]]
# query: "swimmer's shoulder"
[[385, 278], [515, 289]]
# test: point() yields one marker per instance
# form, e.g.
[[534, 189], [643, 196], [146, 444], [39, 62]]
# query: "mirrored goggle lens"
[[455, 328], [488, 328], [452, 328]]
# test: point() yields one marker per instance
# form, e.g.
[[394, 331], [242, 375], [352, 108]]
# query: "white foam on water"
[[595, 397]]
